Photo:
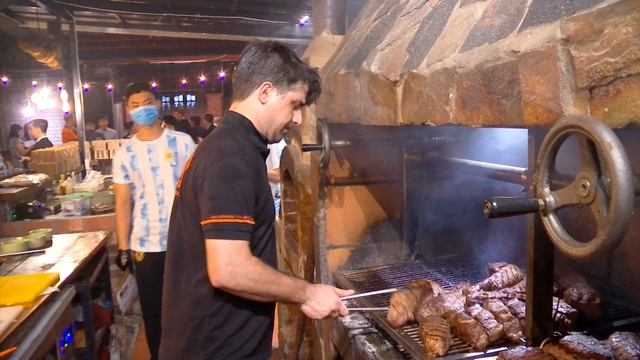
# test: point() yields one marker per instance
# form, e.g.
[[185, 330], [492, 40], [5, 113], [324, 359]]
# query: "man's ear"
[[158, 104], [264, 90]]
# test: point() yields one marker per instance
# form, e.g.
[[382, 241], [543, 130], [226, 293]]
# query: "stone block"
[[379, 101], [489, 96], [617, 103], [499, 20], [427, 99], [546, 11], [540, 85], [342, 99], [604, 43]]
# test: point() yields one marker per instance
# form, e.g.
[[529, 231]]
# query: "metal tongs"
[[366, 294]]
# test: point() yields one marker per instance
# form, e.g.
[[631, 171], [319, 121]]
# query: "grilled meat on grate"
[[564, 316], [503, 275], [494, 330], [469, 330], [435, 333], [518, 309], [404, 304], [512, 328], [626, 345], [445, 305], [575, 290], [580, 347], [524, 353]]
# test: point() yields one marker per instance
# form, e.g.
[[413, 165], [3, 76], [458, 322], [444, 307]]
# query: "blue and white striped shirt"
[[153, 169]]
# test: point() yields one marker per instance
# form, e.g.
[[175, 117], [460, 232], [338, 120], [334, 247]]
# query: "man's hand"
[[124, 260], [323, 301]]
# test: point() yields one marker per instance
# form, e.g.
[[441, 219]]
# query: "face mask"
[[144, 115]]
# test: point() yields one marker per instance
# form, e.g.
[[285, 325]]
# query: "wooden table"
[[79, 259]]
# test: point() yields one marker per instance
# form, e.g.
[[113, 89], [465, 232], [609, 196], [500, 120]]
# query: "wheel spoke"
[[600, 207], [589, 155], [565, 197]]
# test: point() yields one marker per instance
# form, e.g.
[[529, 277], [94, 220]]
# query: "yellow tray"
[[19, 289]]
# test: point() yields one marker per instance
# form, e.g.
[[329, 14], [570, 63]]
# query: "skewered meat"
[[445, 305], [403, 304], [563, 315], [505, 276], [469, 330], [626, 345], [493, 268], [580, 347], [579, 294], [503, 294], [494, 330], [518, 309], [435, 332], [512, 328], [524, 353]]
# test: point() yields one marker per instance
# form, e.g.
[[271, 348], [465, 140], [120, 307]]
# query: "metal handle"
[[499, 207], [311, 147]]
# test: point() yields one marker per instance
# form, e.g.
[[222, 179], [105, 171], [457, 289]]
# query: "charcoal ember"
[[505, 276], [524, 353], [494, 330], [564, 316], [626, 345], [586, 347], [404, 304], [469, 330], [446, 304], [511, 325], [435, 333], [577, 292]]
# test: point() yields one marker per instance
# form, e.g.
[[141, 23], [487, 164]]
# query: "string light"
[[221, 74], [202, 79], [154, 86], [59, 86], [4, 80], [184, 83], [34, 83], [85, 86], [304, 20], [109, 88]]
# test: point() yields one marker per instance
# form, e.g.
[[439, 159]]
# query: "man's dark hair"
[[179, 111], [68, 118], [196, 119], [128, 125], [138, 87], [87, 122], [274, 62], [170, 120], [208, 118], [41, 124]]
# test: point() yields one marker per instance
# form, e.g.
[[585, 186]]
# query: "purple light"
[[153, 86]]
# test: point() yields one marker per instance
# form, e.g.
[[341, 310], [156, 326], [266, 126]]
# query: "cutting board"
[[8, 315], [19, 289]]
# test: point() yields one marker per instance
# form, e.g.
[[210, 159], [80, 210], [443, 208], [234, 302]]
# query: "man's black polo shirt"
[[224, 193]]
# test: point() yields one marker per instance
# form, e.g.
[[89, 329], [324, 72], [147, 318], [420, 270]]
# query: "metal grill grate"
[[448, 272]]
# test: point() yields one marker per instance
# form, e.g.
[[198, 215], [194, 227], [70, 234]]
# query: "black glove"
[[124, 260]]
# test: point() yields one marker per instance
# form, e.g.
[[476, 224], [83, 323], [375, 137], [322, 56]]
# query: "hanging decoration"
[[221, 74], [202, 79], [4, 80], [109, 88], [154, 86], [85, 86], [184, 83]]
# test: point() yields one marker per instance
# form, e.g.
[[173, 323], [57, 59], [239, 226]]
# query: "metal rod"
[[511, 174], [371, 293], [369, 309]]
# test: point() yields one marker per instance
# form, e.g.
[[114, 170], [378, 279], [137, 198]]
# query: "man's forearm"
[[123, 224]]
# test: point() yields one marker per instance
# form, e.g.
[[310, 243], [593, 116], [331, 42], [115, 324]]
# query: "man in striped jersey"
[[145, 172]]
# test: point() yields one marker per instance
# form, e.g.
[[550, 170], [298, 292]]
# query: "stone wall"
[[524, 63]]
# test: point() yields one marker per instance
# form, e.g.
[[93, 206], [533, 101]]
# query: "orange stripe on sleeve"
[[221, 219]]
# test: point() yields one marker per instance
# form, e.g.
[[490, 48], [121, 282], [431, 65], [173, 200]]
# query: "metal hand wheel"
[[609, 196]]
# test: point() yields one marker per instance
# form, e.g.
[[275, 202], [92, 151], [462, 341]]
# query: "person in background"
[[178, 114], [145, 173], [90, 133], [27, 141], [69, 130], [169, 122], [131, 129], [15, 146], [196, 128], [209, 125], [104, 129], [38, 130], [220, 281], [273, 171]]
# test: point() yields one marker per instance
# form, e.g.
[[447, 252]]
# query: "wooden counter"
[[76, 257]]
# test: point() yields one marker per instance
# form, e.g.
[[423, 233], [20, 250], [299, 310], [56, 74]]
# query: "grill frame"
[[448, 272]]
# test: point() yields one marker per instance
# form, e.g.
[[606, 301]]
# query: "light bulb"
[[44, 91], [28, 111], [64, 96], [36, 98], [34, 83], [65, 107]]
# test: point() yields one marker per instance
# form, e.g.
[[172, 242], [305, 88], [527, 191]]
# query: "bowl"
[[47, 232], [36, 240], [13, 245]]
